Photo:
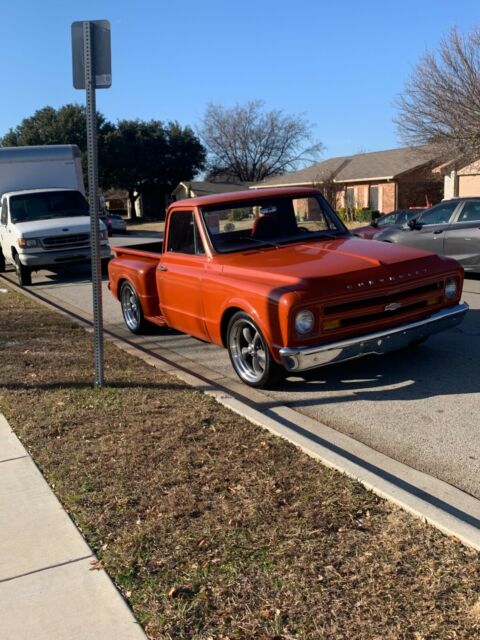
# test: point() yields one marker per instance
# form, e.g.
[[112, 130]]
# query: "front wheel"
[[2, 262], [249, 353], [24, 274], [132, 309]]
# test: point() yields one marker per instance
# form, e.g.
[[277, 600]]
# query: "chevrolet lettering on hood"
[[387, 279]]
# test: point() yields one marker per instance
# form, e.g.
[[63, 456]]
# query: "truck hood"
[[341, 265], [56, 226]]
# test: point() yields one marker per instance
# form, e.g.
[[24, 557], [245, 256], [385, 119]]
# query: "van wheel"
[[132, 309], [249, 353], [2, 262], [24, 274]]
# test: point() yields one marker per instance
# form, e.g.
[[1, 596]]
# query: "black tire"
[[2, 262], [249, 353], [132, 309], [24, 274]]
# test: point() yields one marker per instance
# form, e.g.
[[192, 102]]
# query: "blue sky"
[[339, 63]]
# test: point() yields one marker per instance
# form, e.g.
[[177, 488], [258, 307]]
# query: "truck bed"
[[144, 250]]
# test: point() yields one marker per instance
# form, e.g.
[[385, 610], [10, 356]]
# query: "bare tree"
[[440, 104], [250, 144], [325, 182]]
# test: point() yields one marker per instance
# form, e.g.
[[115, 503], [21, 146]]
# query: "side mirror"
[[374, 223], [414, 224]]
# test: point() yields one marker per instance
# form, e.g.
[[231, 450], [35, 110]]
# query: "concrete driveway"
[[419, 406]]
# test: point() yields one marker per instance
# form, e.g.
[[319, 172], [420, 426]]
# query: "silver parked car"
[[451, 228]]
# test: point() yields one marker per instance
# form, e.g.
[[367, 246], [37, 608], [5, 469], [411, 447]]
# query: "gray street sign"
[[101, 54], [92, 69]]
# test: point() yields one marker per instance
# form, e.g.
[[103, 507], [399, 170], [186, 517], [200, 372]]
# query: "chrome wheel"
[[131, 308], [249, 352]]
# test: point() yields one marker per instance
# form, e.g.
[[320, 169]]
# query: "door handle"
[[162, 268], [435, 233]]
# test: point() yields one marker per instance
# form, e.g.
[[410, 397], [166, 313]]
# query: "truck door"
[[180, 275], [5, 232]]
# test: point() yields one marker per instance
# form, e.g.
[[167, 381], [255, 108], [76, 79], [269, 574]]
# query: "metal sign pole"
[[93, 198]]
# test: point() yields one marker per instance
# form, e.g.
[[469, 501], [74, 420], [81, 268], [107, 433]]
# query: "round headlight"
[[451, 287], [304, 321]]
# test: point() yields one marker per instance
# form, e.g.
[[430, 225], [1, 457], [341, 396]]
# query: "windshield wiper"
[[265, 243]]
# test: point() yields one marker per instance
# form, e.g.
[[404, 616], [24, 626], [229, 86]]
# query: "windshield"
[[270, 221], [47, 205]]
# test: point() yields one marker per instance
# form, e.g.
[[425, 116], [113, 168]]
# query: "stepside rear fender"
[[140, 272]]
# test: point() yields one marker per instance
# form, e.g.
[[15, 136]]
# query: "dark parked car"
[[451, 228], [114, 223], [394, 218]]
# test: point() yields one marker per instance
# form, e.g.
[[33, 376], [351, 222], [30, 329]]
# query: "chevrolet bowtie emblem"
[[393, 306]]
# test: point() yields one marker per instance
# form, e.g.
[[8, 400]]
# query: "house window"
[[350, 198], [373, 199]]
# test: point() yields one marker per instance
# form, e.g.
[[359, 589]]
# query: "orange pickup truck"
[[274, 276]]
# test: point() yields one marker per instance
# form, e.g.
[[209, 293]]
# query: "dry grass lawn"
[[209, 526]]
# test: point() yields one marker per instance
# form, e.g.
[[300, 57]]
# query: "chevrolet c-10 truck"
[[274, 276]]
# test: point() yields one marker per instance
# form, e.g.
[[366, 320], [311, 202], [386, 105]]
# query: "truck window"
[[4, 214], [183, 234]]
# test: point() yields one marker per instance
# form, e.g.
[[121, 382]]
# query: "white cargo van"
[[44, 217]]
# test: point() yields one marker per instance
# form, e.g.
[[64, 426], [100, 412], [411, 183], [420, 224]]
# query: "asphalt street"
[[420, 406]]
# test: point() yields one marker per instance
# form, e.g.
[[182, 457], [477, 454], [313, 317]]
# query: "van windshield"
[[47, 205]]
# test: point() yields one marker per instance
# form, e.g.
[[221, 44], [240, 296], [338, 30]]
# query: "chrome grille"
[[66, 241], [386, 306]]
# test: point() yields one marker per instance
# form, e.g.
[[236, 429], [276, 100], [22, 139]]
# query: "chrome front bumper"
[[391, 339], [50, 258]]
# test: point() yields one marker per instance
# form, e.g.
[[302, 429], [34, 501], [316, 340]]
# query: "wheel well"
[[227, 316], [120, 285]]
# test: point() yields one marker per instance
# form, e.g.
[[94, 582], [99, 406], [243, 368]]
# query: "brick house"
[[196, 188], [461, 179], [382, 180]]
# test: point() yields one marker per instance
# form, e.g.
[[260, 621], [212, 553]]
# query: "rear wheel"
[[24, 274], [249, 353], [132, 309], [2, 262]]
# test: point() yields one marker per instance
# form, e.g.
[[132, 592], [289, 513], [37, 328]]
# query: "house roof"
[[378, 165], [204, 188]]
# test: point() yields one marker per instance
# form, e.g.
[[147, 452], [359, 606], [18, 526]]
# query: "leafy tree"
[[441, 100], [146, 156], [134, 155], [66, 125], [250, 144]]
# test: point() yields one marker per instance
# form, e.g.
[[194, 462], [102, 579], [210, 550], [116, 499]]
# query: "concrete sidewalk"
[[47, 588]]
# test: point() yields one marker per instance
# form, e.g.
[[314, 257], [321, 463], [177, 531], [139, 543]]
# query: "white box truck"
[[44, 217]]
